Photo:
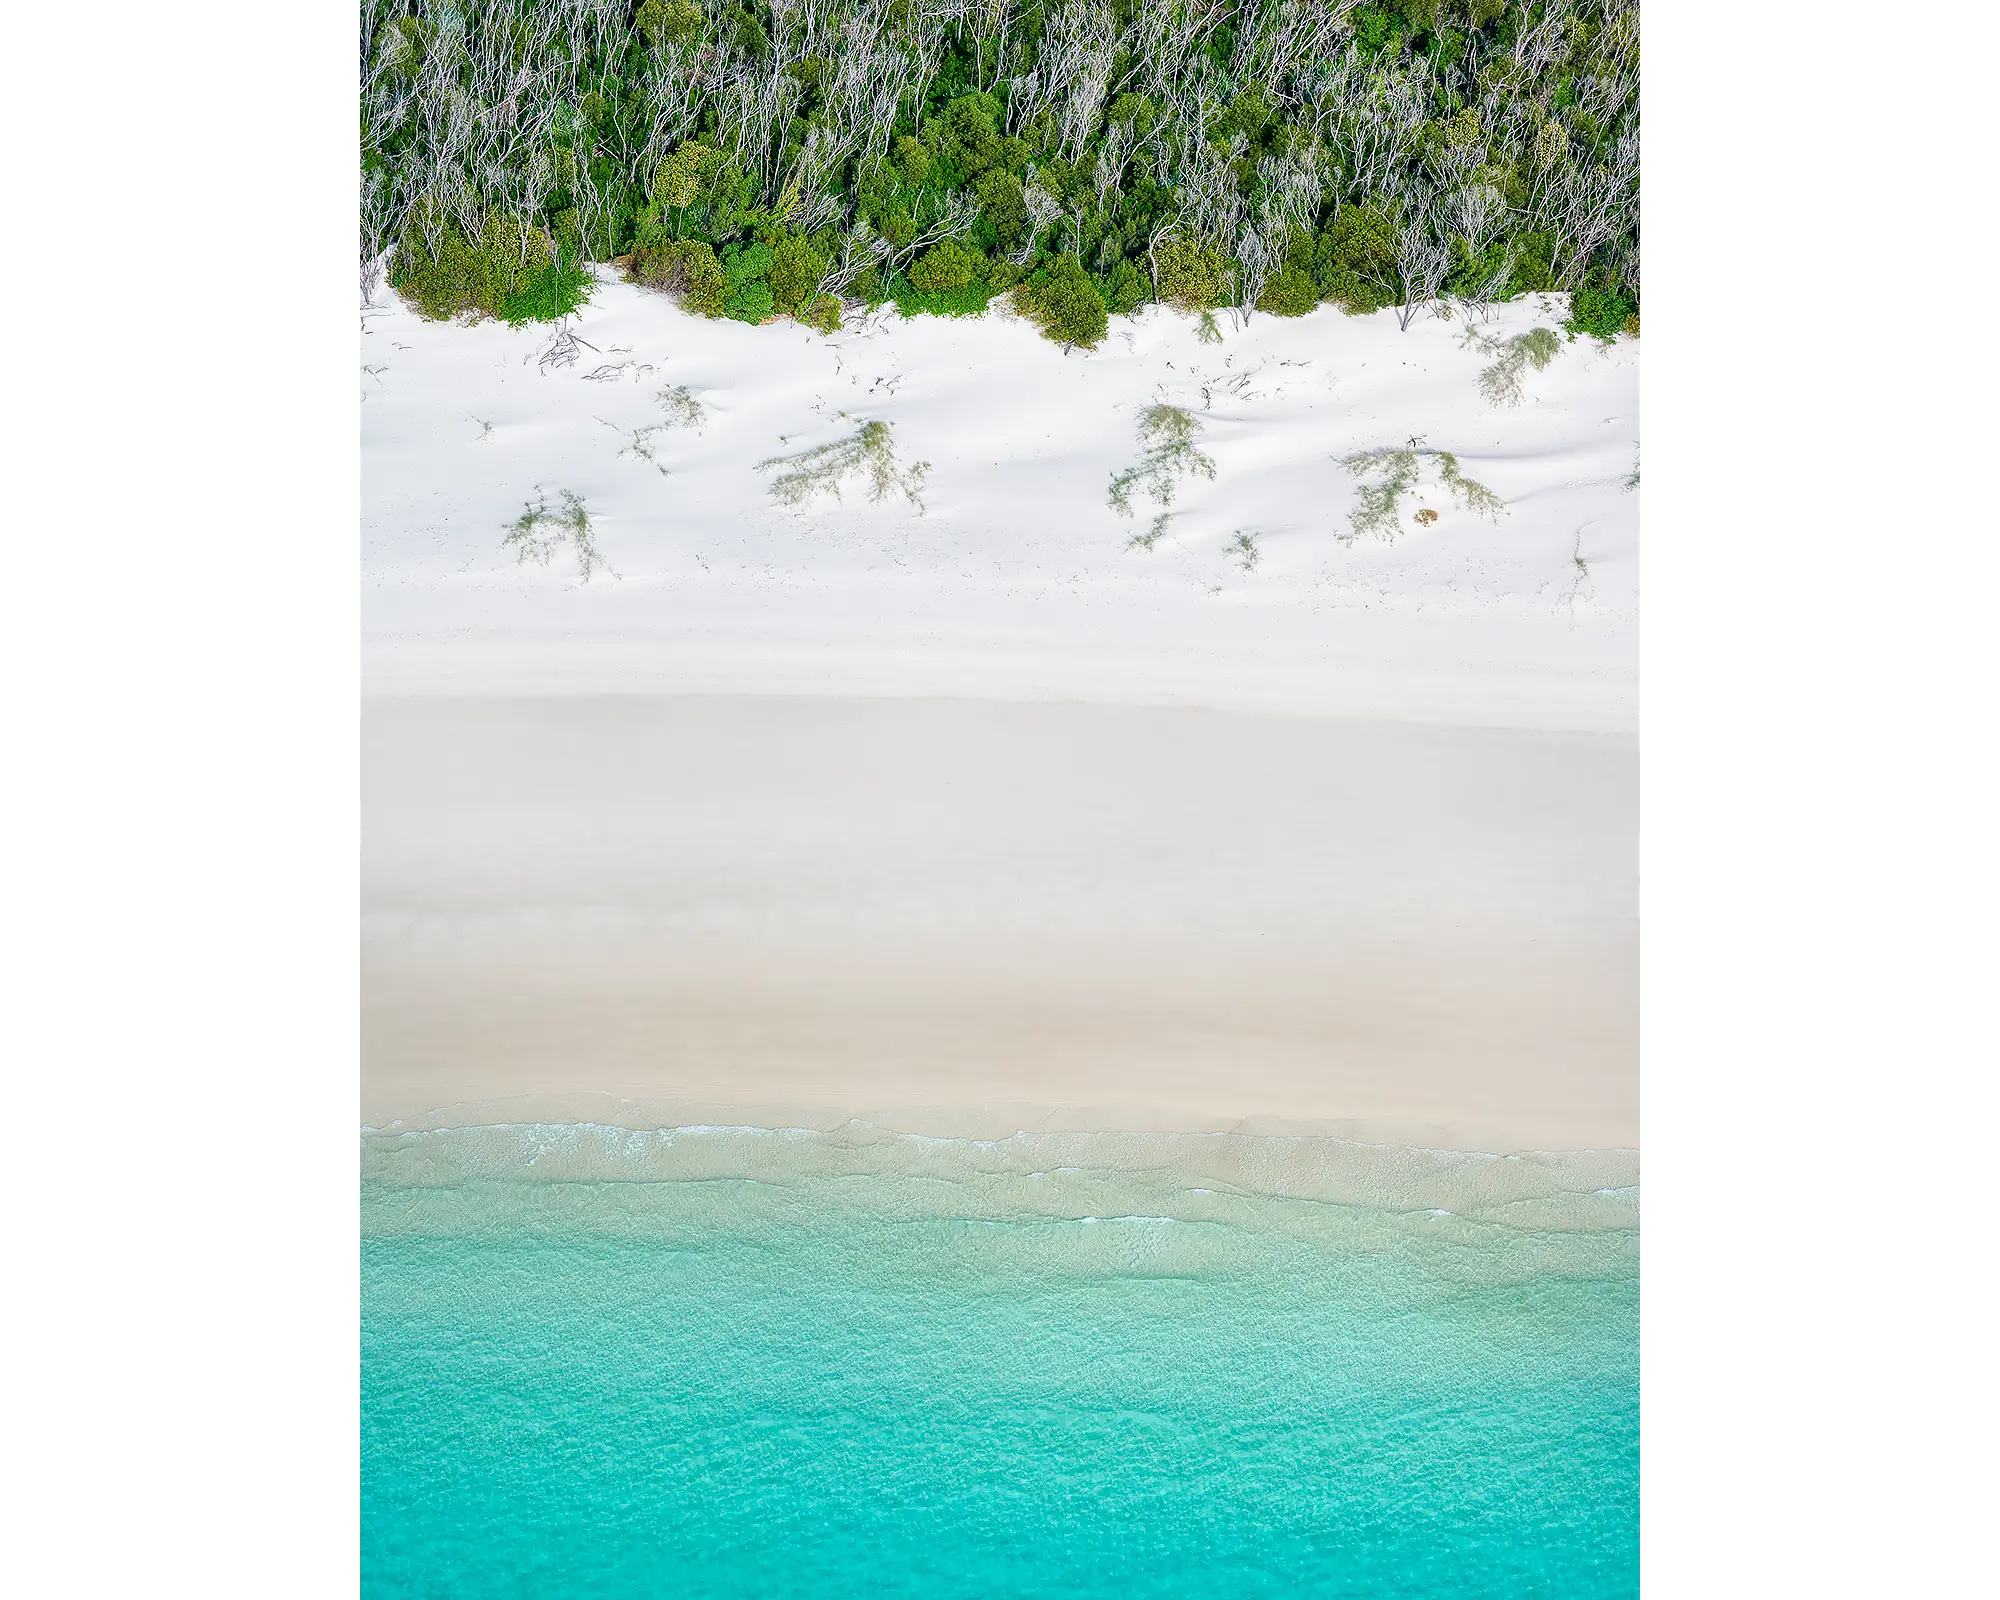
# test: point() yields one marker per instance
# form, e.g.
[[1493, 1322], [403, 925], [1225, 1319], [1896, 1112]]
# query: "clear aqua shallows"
[[601, 1364]]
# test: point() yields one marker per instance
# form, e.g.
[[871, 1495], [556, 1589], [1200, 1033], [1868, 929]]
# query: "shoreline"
[[1525, 1203], [970, 1124]]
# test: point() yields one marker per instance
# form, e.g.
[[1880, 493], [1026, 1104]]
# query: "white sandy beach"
[[977, 819], [945, 914]]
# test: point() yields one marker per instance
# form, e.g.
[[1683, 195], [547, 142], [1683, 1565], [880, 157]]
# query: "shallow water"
[[724, 1362]]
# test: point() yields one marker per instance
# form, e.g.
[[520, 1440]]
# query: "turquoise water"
[[726, 1363]]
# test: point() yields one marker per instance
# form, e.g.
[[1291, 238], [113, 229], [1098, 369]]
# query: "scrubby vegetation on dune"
[[765, 158], [868, 454], [1168, 435], [539, 532], [1395, 471]]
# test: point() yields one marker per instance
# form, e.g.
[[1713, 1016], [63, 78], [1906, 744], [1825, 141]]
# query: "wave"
[[1174, 1203]]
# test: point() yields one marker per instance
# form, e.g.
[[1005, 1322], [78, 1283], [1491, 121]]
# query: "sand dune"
[[1016, 580]]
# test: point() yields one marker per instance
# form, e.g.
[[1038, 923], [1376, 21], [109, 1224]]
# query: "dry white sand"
[[968, 917], [1017, 580]]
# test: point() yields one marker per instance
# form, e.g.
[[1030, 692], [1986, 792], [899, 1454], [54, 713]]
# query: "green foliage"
[[1504, 383], [822, 313], [687, 268], [1124, 290], [614, 132], [1532, 272], [796, 266], [1003, 206], [869, 454], [913, 158], [1355, 261], [750, 301], [1155, 532], [748, 297], [1065, 305], [503, 273], [697, 190], [1290, 292], [969, 135], [1599, 313], [1190, 276], [1168, 434], [666, 23], [1249, 114], [751, 39], [945, 267], [681, 176], [560, 287], [969, 301]]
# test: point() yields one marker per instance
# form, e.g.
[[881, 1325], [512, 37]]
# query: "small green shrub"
[[686, 268], [683, 176], [1599, 313], [559, 288], [1355, 261], [751, 302], [1190, 276], [823, 314], [945, 267], [1003, 204], [1242, 549], [797, 265], [970, 301], [1065, 305], [1124, 290], [503, 273], [749, 297], [1290, 293]]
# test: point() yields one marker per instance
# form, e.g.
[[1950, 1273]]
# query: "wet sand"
[[970, 917]]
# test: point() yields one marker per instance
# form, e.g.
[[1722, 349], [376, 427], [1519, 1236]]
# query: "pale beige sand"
[[969, 917]]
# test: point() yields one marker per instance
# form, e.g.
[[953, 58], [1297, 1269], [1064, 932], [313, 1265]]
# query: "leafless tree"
[[1043, 209], [860, 249]]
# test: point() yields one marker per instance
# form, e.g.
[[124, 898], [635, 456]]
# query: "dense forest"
[[795, 157]]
